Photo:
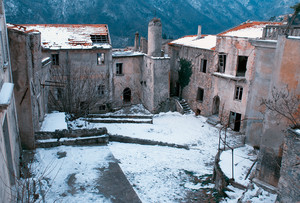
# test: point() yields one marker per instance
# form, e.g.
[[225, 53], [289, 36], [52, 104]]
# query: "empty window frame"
[[55, 59], [119, 68], [238, 93], [100, 58], [99, 38], [242, 66], [203, 65], [200, 94], [222, 63], [102, 107], [101, 90]]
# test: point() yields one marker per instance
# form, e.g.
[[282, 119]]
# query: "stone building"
[[223, 68], [276, 70], [123, 77], [200, 50], [9, 133], [142, 76], [30, 72]]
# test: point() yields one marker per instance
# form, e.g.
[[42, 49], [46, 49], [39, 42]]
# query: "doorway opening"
[[235, 121], [216, 105], [127, 95]]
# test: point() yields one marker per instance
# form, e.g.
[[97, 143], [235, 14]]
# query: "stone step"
[[119, 120]]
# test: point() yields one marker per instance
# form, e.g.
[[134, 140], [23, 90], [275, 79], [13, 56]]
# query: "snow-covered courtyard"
[[156, 173]]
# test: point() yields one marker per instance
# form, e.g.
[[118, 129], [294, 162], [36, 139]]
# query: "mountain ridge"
[[124, 18]]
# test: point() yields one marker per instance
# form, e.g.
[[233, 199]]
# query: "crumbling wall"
[[285, 74], [289, 184]]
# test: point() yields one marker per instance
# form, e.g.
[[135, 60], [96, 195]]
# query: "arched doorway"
[[216, 105], [127, 95]]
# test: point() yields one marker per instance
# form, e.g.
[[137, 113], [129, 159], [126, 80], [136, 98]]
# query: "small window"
[[238, 93], [200, 94], [102, 108], [59, 93], [222, 63], [100, 58], [203, 65], [242, 66], [119, 68], [101, 89], [55, 59]]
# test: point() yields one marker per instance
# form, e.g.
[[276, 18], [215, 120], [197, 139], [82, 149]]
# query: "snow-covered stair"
[[186, 107], [98, 118]]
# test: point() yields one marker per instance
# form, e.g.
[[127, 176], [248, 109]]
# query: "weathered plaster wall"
[[224, 83], [286, 72], [264, 65], [85, 59], [22, 66], [131, 78], [156, 77], [9, 134]]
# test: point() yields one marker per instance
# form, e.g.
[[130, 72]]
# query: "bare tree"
[[75, 92], [284, 104]]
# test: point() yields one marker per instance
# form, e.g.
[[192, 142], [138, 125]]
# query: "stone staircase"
[[186, 108], [102, 118], [213, 120]]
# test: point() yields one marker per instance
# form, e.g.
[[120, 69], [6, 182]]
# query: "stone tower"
[[154, 37]]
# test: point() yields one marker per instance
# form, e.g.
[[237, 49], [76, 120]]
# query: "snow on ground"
[[72, 172], [160, 174], [243, 158], [54, 121], [253, 195]]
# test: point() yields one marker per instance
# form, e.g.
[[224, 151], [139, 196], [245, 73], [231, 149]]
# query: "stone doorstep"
[[265, 186]]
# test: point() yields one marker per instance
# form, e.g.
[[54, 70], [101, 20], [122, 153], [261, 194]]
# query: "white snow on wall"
[[6, 94]]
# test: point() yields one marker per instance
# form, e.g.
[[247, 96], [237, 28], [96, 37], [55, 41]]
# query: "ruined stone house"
[[124, 77], [223, 68], [243, 65], [9, 132]]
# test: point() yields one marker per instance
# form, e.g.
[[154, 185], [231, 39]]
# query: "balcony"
[[271, 32]]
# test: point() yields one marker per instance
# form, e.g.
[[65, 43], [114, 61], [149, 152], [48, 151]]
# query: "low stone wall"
[[220, 179], [289, 182], [42, 135], [72, 137], [124, 139]]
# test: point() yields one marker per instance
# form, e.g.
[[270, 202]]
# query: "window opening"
[[238, 93], [203, 65], [55, 59], [100, 58], [242, 66], [200, 94], [119, 68], [222, 63], [101, 89]]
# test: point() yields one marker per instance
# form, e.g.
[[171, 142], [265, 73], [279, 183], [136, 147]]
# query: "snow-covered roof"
[[248, 29], [205, 42], [126, 53], [67, 36]]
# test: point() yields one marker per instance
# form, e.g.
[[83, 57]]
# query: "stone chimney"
[[199, 32], [136, 42]]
